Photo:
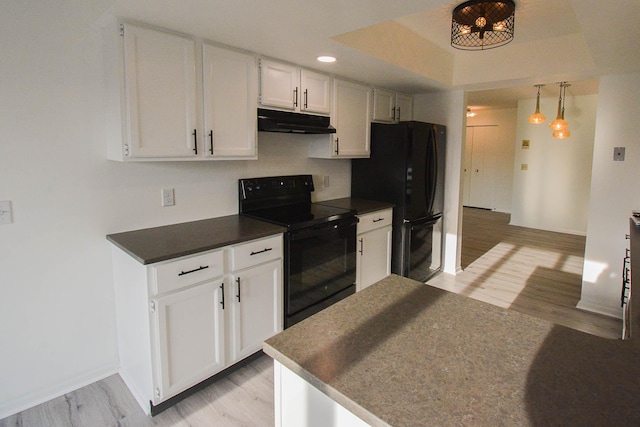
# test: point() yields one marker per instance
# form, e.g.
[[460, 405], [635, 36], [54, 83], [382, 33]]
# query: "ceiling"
[[404, 45]]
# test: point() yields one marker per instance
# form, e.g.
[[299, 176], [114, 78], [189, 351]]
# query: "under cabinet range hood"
[[284, 121]]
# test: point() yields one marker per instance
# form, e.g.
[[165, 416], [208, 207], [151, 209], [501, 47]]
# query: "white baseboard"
[[615, 312], [42, 395]]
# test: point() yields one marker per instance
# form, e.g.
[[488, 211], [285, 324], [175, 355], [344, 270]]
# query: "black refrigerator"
[[406, 168]]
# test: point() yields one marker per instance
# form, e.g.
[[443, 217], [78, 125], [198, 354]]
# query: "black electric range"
[[320, 244]]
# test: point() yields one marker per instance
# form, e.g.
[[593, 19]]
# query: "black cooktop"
[[286, 201], [300, 217]]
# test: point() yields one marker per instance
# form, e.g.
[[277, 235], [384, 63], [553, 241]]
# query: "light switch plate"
[[618, 154], [5, 212]]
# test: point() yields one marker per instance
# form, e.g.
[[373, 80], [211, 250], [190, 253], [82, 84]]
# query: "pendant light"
[[537, 117], [565, 132], [559, 123]]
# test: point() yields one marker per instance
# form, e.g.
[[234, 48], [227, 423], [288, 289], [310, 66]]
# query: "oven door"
[[321, 267]]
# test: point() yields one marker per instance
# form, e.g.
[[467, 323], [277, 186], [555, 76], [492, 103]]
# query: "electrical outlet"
[[618, 154], [168, 197], [524, 167], [5, 212], [325, 181]]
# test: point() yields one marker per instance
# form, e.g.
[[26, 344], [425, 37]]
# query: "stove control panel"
[[275, 186]]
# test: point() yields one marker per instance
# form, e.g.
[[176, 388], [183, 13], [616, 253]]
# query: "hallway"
[[532, 271]]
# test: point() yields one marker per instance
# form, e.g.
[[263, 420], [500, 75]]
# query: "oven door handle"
[[317, 230]]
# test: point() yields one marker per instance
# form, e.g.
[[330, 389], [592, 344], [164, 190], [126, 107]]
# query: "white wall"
[[614, 192], [504, 135], [448, 108], [553, 194], [56, 292]]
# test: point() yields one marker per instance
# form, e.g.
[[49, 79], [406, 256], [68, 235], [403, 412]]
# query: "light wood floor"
[[532, 271], [243, 398]]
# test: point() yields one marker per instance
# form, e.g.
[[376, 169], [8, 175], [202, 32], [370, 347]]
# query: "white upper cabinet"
[[351, 116], [391, 107], [315, 92], [291, 88], [230, 101], [404, 108], [156, 108], [278, 85], [161, 97], [384, 105]]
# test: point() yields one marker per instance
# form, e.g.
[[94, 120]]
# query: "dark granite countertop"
[[402, 353], [361, 206], [156, 244]]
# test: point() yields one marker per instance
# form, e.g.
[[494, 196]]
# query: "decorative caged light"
[[482, 24]]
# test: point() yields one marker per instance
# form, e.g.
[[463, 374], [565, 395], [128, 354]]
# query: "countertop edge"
[[195, 250], [173, 241], [325, 388]]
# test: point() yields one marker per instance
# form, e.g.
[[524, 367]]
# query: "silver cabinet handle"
[[361, 246], [238, 294]]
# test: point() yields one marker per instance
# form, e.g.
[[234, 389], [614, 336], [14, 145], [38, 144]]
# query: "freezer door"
[[421, 248]]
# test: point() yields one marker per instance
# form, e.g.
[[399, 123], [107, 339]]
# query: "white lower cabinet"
[[373, 247], [183, 320], [189, 326], [257, 301]]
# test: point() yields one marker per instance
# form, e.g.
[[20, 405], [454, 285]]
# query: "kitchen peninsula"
[[402, 353]]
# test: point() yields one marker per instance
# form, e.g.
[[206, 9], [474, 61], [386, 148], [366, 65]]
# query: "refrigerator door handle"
[[423, 221], [431, 179]]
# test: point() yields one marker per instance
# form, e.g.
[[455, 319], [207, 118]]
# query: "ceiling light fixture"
[[482, 24], [537, 117], [326, 58], [559, 125]]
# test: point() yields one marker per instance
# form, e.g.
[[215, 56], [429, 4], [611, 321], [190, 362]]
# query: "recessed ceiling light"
[[326, 59]]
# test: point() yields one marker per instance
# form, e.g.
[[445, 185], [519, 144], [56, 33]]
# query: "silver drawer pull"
[[378, 220], [182, 273], [262, 251]]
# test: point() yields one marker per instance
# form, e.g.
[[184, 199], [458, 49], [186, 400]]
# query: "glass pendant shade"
[[537, 117], [559, 123], [562, 134]]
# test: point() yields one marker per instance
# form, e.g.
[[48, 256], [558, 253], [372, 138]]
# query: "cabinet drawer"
[[375, 220], [256, 252], [176, 274]]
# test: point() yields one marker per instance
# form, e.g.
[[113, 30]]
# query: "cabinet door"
[[256, 302], [352, 119], [189, 343], [316, 92], [384, 106], [279, 85], [374, 257], [160, 75], [404, 108], [230, 103]]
